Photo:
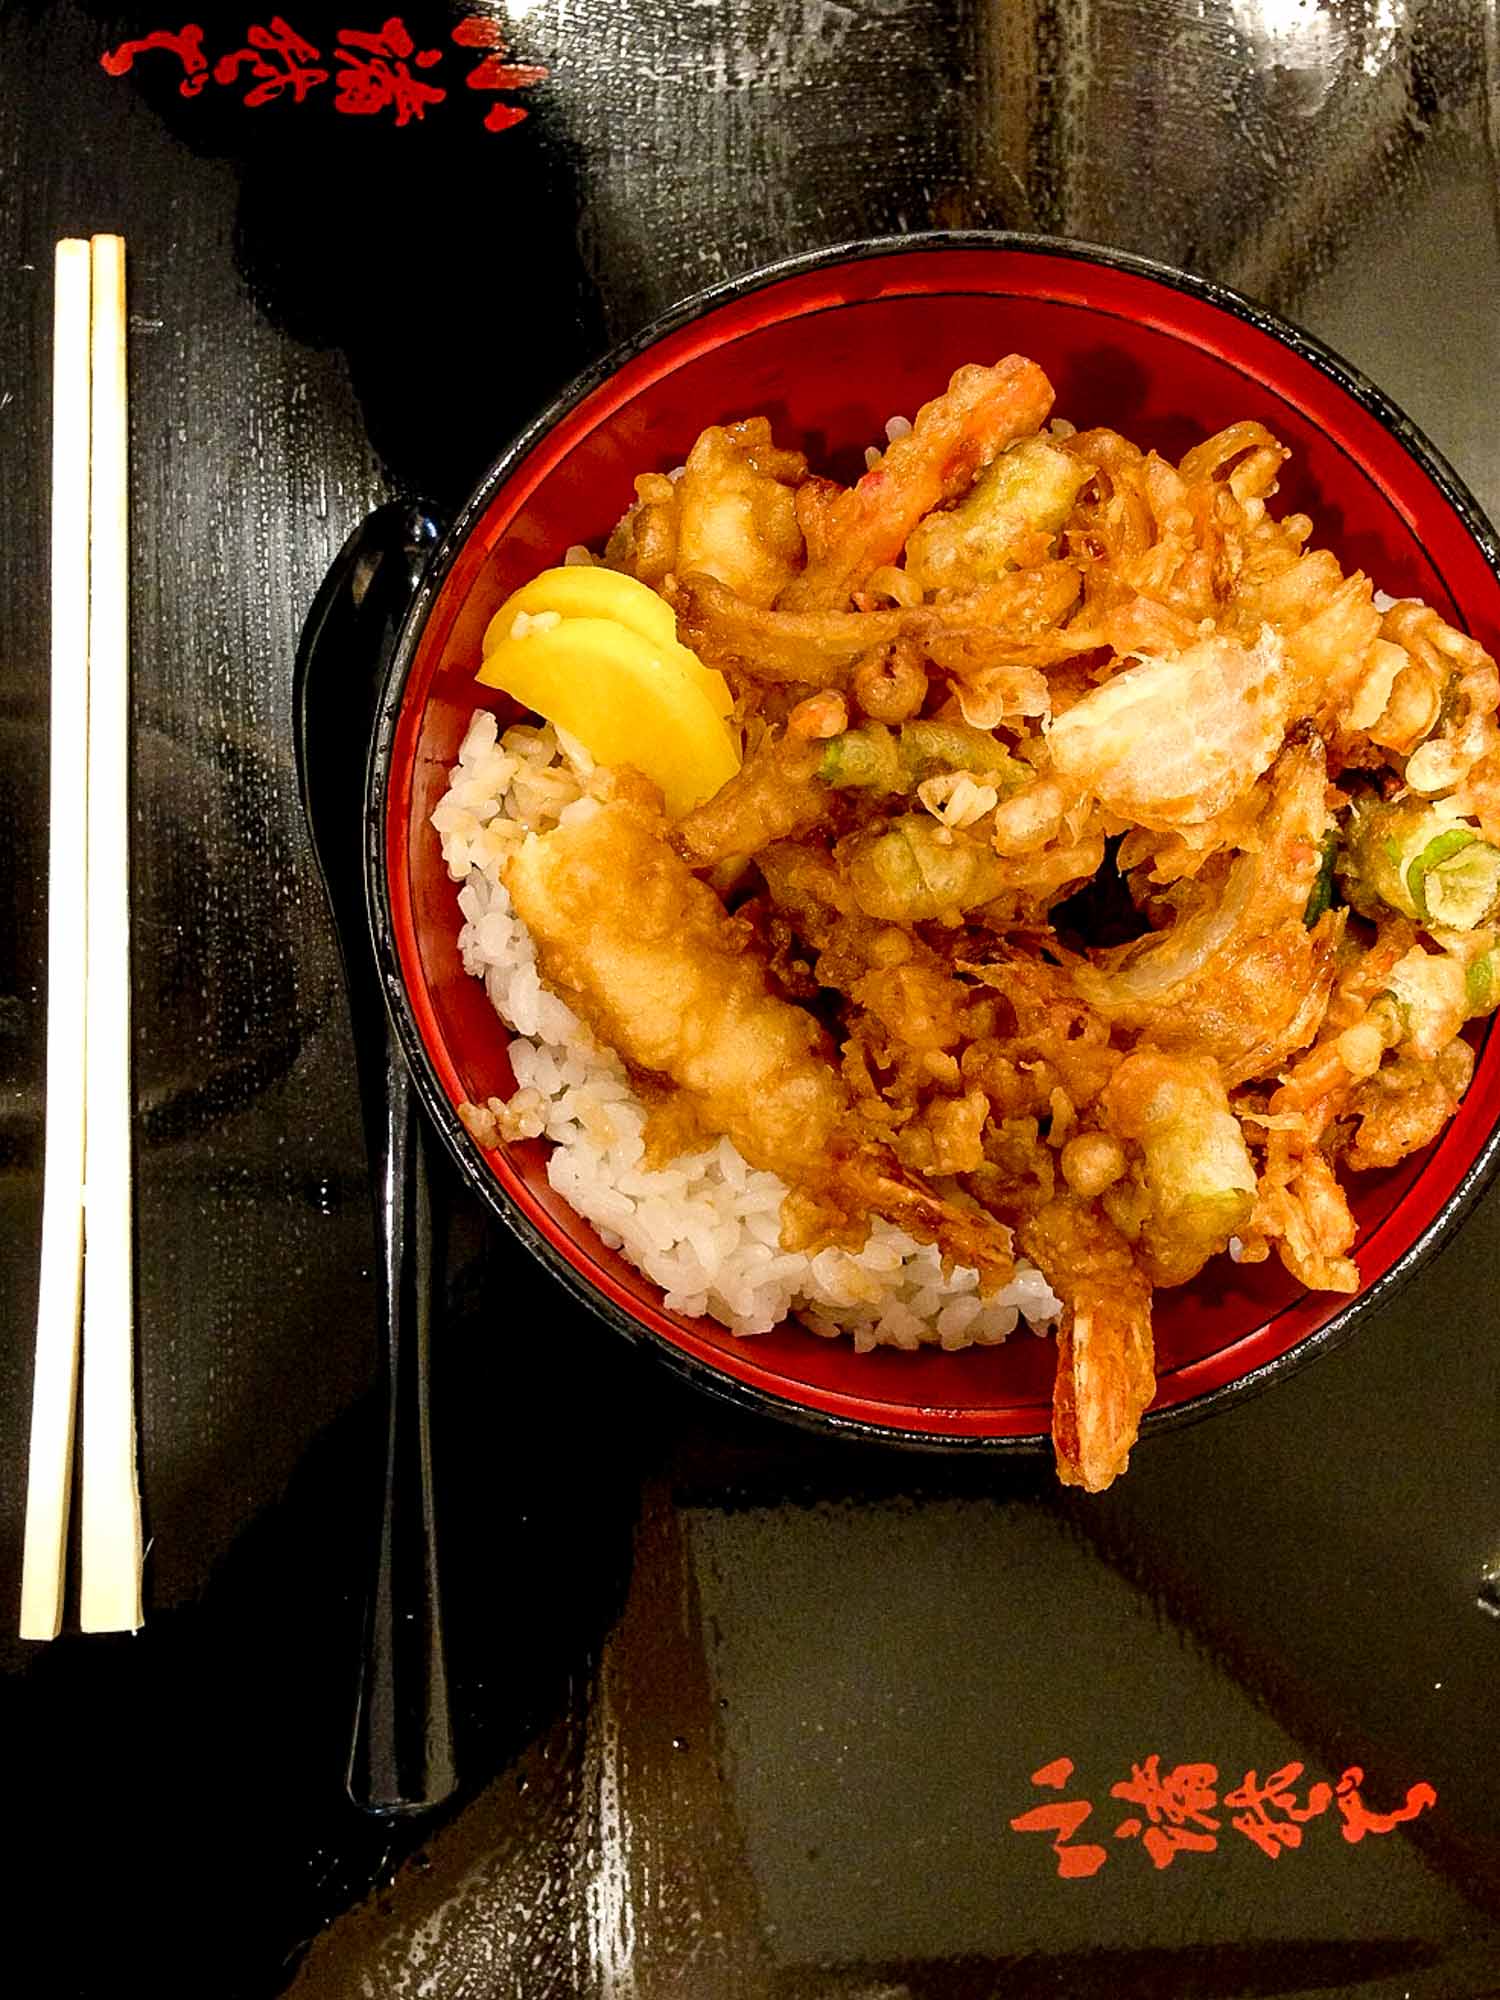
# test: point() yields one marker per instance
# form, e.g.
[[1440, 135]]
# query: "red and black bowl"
[[829, 346]]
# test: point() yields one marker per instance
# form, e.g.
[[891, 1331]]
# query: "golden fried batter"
[[954, 437], [1126, 875], [647, 955]]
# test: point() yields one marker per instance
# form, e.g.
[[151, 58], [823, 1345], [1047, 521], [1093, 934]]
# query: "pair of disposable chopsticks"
[[87, 1265]]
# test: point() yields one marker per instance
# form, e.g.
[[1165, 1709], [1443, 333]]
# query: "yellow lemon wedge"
[[625, 698], [584, 590]]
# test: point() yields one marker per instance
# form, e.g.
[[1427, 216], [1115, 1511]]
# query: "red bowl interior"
[[829, 353]]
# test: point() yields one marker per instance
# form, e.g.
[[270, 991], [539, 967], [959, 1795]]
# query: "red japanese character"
[[281, 60], [1256, 1803], [1358, 1818], [1175, 1805], [186, 45], [375, 73], [494, 72], [1063, 1821]]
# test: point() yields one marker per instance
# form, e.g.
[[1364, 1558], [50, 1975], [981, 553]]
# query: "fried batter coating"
[[954, 437], [1142, 677], [775, 793], [994, 643], [647, 955], [1301, 1207], [1171, 742], [1239, 977], [890, 683], [1405, 1104], [1467, 731], [644, 543], [737, 514]]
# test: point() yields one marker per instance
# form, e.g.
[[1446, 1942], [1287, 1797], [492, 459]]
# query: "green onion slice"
[[1455, 879]]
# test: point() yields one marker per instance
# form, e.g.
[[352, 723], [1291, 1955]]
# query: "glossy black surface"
[[737, 1712]]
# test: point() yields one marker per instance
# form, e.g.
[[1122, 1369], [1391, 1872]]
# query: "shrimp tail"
[[1106, 1362]]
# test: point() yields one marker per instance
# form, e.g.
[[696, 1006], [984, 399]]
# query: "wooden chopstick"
[[55, 1384], [111, 1538], [87, 1222]]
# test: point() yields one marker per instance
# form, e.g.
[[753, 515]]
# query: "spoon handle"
[[401, 1756]]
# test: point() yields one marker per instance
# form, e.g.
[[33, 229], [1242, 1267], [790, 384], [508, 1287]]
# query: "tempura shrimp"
[[649, 957]]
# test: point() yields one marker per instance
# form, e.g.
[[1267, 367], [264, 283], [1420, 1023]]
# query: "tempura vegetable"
[[1195, 1184], [915, 871], [1011, 513], [1107, 874], [1420, 859], [872, 759]]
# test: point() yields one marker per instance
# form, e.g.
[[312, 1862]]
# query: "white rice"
[[705, 1227]]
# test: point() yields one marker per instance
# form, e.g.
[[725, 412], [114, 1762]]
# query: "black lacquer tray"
[[734, 1715]]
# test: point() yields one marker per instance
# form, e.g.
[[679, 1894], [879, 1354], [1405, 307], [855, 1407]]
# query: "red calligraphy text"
[[1178, 1809], [186, 45], [493, 71], [1269, 1814], [1062, 1821], [1357, 1816], [279, 60], [377, 69], [375, 73]]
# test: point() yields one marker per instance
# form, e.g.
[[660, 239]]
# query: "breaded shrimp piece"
[[1106, 1361], [663, 975], [738, 516], [775, 793], [1301, 1207], [1173, 742], [647, 954], [1242, 979], [954, 438]]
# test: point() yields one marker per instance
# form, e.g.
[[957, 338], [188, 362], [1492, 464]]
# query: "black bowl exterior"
[[470, 1160]]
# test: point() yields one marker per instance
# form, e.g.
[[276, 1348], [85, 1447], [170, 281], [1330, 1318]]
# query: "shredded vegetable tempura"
[[1103, 875]]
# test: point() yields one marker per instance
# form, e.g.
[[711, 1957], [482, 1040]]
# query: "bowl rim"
[[464, 1150]]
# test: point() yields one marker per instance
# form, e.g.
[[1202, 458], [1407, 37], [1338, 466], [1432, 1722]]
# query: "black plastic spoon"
[[401, 1757]]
